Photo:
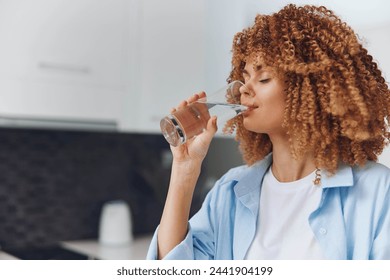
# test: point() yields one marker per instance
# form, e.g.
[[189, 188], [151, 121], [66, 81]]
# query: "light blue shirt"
[[352, 220]]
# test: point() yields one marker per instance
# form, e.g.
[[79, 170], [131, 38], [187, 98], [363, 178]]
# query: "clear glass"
[[190, 121]]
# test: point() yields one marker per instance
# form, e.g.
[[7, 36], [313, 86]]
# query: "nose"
[[246, 91], [246, 95]]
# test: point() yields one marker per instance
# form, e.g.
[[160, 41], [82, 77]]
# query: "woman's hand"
[[187, 160], [195, 149]]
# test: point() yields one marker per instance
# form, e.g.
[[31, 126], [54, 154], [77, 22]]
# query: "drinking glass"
[[191, 120]]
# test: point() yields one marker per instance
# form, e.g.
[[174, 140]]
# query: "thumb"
[[204, 139], [211, 127]]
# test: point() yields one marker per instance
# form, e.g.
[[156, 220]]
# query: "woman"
[[317, 120]]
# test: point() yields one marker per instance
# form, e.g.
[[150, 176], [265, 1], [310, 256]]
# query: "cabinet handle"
[[64, 67]]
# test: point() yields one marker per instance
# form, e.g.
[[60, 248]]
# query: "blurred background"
[[83, 86]]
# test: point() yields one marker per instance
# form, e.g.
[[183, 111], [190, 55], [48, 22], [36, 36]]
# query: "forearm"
[[174, 221]]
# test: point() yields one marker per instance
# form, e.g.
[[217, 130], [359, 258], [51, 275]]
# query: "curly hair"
[[337, 101]]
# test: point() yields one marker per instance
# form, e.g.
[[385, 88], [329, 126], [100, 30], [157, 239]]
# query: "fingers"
[[190, 100], [196, 97], [182, 104], [193, 98]]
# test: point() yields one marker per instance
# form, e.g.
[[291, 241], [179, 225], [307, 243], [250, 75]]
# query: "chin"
[[251, 126], [255, 126]]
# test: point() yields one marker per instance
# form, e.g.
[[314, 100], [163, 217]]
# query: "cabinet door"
[[224, 19], [171, 61], [64, 58]]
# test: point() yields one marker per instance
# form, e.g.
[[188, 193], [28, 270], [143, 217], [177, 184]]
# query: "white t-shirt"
[[283, 231]]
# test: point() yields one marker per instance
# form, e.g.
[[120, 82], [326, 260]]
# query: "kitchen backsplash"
[[53, 183]]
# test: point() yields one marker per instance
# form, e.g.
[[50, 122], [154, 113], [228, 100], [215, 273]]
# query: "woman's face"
[[264, 95]]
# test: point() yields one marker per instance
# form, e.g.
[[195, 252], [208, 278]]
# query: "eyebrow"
[[258, 68]]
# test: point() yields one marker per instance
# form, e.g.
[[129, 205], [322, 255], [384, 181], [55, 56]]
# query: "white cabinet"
[[125, 62], [171, 61], [66, 60], [184, 47], [224, 18]]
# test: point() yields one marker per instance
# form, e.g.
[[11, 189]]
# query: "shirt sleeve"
[[198, 244], [183, 251]]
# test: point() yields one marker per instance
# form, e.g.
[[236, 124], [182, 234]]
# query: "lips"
[[250, 109]]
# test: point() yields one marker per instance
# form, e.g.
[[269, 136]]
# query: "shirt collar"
[[250, 179], [342, 178]]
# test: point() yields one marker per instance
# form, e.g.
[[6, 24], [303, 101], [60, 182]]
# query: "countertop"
[[5, 256], [137, 250]]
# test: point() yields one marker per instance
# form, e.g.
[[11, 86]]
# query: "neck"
[[285, 167]]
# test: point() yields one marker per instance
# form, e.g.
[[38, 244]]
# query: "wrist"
[[187, 167]]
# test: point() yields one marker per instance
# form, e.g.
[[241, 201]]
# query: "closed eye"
[[264, 81]]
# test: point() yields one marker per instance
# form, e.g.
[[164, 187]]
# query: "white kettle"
[[115, 227]]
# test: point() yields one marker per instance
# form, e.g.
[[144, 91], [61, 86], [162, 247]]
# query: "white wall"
[[377, 40]]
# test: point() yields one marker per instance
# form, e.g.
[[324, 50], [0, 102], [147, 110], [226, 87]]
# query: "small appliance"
[[115, 227]]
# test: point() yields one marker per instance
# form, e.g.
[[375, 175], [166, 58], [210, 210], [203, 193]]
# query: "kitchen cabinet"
[[171, 61], [125, 62], [224, 19], [66, 60], [121, 63], [184, 48]]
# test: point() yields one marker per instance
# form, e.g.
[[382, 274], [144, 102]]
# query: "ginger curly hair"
[[337, 102]]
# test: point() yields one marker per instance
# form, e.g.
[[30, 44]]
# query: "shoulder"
[[234, 174], [227, 182], [371, 185], [373, 174]]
